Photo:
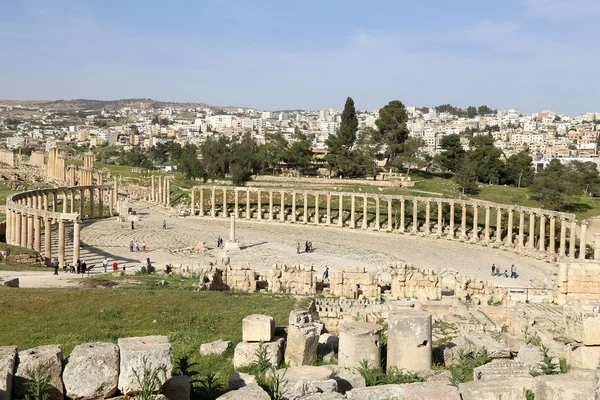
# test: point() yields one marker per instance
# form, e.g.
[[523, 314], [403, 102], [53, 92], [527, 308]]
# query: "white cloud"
[[562, 8], [488, 30]]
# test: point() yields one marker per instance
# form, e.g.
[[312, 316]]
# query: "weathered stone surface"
[[584, 357], [215, 348], [8, 357], [250, 392], [328, 343], [245, 353], [240, 379], [530, 356], [324, 396], [258, 328], [302, 388], [305, 373], [177, 388], [92, 371], [495, 390], [377, 393], [359, 341], [156, 350], [11, 282], [430, 391], [501, 369], [49, 356], [495, 349], [409, 340], [583, 326], [597, 382], [301, 345], [347, 379], [564, 387]]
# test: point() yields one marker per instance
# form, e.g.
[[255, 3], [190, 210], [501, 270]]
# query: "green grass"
[[35, 317]]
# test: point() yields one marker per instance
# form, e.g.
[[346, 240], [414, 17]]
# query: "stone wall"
[[402, 181], [478, 291], [37, 159], [420, 284], [578, 283], [7, 157]]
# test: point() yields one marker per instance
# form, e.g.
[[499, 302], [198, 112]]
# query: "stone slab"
[[8, 358], [99, 364], [245, 353], [156, 350], [258, 328], [51, 356]]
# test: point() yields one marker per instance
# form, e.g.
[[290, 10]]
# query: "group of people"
[[308, 247], [115, 266], [136, 245], [497, 271], [80, 267]]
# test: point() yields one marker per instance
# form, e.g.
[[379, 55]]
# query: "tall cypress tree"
[[349, 124]]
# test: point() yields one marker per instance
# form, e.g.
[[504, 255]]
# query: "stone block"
[[409, 340], [305, 373], [177, 388], [215, 348], [495, 349], [584, 357], [49, 356], [157, 352], [564, 387], [250, 392], [258, 328], [328, 343], [301, 345], [347, 379], [501, 369], [411, 391], [245, 353], [99, 364], [495, 390], [583, 326], [240, 379], [8, 358], [359, 341]]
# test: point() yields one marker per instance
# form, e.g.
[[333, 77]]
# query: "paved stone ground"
[[266, 243]]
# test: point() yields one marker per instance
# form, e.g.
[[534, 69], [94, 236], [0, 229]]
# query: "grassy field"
[[34, 317]]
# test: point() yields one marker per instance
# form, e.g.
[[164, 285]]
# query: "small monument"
[[232, 244]]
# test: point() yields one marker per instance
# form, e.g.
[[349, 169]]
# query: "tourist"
[[298, 248], [506, 273], [137, 245], [72, 269], [219, 242], [115, 266], [310, 246], [325, 272], [513, 272], [493, 269], [132, 224], [105, 264], [164, 224], [144, 247], [131, 246], [306, 247], [65, 266], [83, 267], [56, 264], [78, 265]]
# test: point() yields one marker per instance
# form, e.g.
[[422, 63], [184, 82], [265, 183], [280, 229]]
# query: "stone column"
[[18, 228], [328, 222], [451, 220], [427, 217], [259, 203], [552, 244], [30, 232], [54, 198], [359, 341], [153, 194], [305, 219], [486, 232], [390, 225], [64, 200], [572, 239], [402, 213], [236, 204], [159, 199], [409, 338], [509, 228], [82, 202], [247, 203], [293, 206], [101, 202], [520, 241], [365, 222], [415, 218], [341, 211], [48, 239], [110, 201], [8, 227], [225, 212], [353, 212], [61, 242], [168, 192], [45, 196], [463, 222], [440, 221], [563, 237], [270, 205], [201, 205], [475, 223], [531, 242], [542, 241], [72, 201], [23, 230], [193, 205], [76, 229], [282, 207], [115, 193], [317, 208], [498, 235], [92, 203], [583, 240], [377, 213], [213, 202], [38, 234]]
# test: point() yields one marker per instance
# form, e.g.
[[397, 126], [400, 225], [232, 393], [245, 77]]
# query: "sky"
[[530, 55]]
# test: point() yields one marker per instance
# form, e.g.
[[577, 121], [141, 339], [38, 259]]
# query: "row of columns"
[[447, 224], [160, 190]]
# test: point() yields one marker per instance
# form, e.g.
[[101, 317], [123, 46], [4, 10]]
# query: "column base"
[[231, 246]]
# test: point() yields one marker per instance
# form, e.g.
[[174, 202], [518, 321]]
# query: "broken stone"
[[157, 352], [8, 357], [301, 345], [245, 353], [258, 328], [215, 348], [49, 356], [99, 364]]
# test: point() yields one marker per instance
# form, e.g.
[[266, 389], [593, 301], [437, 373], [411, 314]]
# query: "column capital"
[[584, 222]]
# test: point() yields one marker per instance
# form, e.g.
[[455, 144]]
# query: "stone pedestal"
[[359, 341], [409, 340]]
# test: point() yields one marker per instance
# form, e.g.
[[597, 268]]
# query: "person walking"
[[65, 266], [115, 266], [137, 245], [56, 264], [164, 224], [513, 272], [132, 224], [493, 269], [78, 265], [105, 264], [131, 246], [144, 247], [83, 268], [306, 246], [298, 248], [325, 272]]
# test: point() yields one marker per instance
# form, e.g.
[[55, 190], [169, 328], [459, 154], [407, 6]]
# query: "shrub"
[[547, 365], [209, 387], [463, 371], [39, 386], [375, 376], [529, 395], [148, 380], [277, 384], [261, 364]]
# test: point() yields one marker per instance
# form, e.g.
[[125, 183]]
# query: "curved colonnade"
[[31, 214], [533, 231]]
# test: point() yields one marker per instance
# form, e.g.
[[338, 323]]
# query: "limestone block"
[[305, 373], [99, 364], [501, 369], [177, 388], [49, 356], [240, 379], [258, 328], [156, 350], [376, 393], [301, 345], [215, 348], [409, 340], [430, 391], [324, 396], [250, 392], [347, 379], [8, 357], [584, 357], [582, 326], [359, 341], [564, 387], [495, 349], [495, 390], [531, 357], [245, 353]]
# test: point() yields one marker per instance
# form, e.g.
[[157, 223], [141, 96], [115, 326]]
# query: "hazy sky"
[[526, 54]]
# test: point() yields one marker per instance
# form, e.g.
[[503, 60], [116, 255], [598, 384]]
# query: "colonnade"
[[29, 214], [523, 228], [160, 190]]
